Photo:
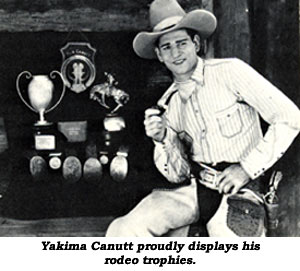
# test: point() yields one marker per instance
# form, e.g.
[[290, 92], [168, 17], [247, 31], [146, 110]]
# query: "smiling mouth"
[[178, 62]]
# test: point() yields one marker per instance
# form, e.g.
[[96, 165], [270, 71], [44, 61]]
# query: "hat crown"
[[161, 10]]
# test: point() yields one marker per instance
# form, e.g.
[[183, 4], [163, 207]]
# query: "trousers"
[[166, 212]]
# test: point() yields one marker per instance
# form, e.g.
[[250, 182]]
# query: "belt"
[[209, 173]]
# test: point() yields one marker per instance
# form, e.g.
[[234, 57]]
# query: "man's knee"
[[117, 228], [157, 214]]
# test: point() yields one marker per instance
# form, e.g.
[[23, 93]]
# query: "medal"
[[119, 167], [72, 169], [92, 170]]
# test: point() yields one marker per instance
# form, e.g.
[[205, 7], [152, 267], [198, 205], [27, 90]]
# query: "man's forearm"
[[269, 150]]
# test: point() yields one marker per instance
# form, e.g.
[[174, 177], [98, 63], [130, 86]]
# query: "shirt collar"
[[187, 88], [198, 74]]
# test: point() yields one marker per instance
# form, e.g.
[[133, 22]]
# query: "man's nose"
[[175, 51]]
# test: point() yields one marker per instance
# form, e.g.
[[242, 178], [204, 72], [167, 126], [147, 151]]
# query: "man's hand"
[[155, 125], [232, 179]]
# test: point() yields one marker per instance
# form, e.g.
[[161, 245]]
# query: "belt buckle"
[[210, 176]]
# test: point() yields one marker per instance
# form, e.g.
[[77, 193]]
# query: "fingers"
[[153, 119], [232, 179], [220, 178], [152, 112], [228, 185], [227, 189], [154, 124], [235, 190], [224, 184]]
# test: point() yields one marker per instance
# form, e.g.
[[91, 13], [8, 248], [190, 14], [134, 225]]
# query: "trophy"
[[40, 93], [114, 125], [112, 121]]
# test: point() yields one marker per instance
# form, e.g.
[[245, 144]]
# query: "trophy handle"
[[53, 76], [28, 76]]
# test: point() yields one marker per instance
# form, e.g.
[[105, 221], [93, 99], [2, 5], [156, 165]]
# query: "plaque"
[[78, 68]]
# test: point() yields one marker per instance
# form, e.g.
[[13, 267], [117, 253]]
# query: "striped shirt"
[[214, 117]]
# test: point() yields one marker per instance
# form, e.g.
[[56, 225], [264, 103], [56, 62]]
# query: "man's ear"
[[196, 41], [158, 54]]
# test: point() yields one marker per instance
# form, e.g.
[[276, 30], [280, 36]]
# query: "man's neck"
[[181, 78]]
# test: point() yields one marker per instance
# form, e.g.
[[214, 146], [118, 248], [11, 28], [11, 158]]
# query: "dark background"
[[263, 33], [26, 199]]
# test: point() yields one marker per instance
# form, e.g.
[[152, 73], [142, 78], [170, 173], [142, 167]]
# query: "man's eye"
[[165, 48], [182, 44]]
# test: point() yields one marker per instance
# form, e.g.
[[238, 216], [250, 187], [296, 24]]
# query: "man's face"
[[178, 52]]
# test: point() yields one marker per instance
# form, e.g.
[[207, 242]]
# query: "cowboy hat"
[[166, 16]]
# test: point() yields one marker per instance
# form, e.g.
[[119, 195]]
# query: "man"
[[211, 123]]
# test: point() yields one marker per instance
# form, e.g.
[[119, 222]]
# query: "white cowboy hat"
[[166, 16]]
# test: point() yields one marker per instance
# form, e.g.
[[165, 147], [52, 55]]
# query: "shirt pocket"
[[230, 121]]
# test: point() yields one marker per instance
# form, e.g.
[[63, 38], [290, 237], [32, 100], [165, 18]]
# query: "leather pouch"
[[245, 216]]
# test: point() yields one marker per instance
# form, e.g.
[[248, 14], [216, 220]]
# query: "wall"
[[266, 35]]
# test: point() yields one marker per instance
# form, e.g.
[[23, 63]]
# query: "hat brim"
[[201, 21]]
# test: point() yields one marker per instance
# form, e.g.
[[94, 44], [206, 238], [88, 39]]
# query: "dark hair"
[[191, 33]]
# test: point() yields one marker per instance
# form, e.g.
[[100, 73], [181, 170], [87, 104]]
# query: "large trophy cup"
[[38, 97], [114, 125]]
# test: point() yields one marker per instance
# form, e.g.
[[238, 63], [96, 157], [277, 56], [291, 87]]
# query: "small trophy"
[[112, 121], [114, 125], [40, 93]]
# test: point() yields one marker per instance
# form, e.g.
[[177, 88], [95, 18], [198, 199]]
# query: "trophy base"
[[43, 126], [43, 123], [44, 137], [114, 123]]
